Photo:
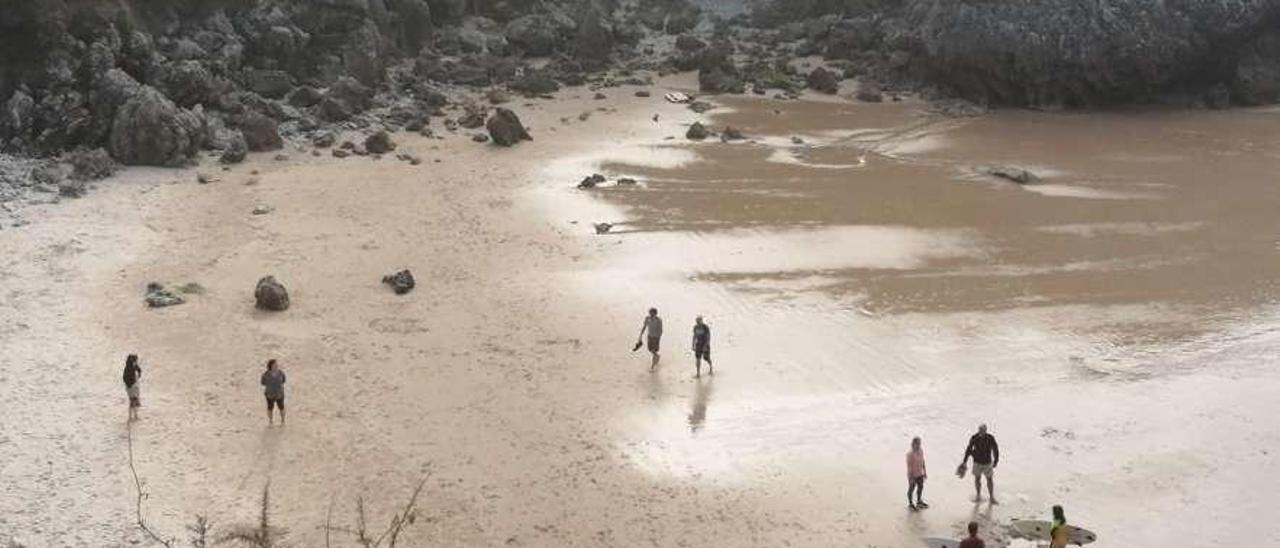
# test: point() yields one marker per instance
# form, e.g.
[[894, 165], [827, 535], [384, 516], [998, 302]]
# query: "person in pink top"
[[916, 474]]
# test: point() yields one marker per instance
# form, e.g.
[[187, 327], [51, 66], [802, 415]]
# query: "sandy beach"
[[1113, 323]]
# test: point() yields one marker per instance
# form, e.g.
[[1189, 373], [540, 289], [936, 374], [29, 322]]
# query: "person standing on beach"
[[986, 455], [133, 384], [273, 387], [653, 326], [1059, 535], [973, 541], [701, 347], [916, 474]]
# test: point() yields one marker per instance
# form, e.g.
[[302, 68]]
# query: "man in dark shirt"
[[973, 541], [273, 388], [986, 455], [702, 347]]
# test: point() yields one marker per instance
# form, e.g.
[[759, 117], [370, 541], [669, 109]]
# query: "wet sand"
[[1113, 325]]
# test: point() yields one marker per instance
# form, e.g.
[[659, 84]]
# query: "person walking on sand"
[[701, 347], [133, 384], [273, 387], [916, 474], [653, 326], [973, 541], [1059, 534], [986, 456]]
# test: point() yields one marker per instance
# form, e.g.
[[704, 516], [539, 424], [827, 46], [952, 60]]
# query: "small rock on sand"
[[271, 295], [1012, 173], [603, 228], [263, 210], [591, 181], [643, 93], [401, 282], [159, 296], [697, 132], [379, 143], [732, 134], [505, 128]]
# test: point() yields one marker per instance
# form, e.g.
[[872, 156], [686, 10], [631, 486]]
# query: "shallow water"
[[870, 283]]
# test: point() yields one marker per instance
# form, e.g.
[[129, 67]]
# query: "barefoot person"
[[133, 384], [986, 455], [273, 387], [916, 474], [1059, 535], [972, 541], [701, 347], [653, 326]]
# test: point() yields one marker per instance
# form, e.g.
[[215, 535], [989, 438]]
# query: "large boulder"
[[271, 295], [824, 81], [539, 34], [379, 143], [273, 84], [1081, 53], [150, 130], [505, 128], [261, 133]]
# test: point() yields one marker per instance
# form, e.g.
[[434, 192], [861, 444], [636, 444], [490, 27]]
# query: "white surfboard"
[[1039, 530], [939, 542]]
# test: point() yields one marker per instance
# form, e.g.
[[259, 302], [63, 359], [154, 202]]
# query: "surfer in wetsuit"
[[986, 455], [1059, 535]]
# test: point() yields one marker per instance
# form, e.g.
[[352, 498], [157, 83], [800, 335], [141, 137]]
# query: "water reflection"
[[698, 409]]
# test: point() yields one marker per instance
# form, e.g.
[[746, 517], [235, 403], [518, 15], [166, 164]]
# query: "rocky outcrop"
[[824, 81], [149, 129], [1078, 54]]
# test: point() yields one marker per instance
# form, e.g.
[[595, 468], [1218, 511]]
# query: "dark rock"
[[190, 83], [824, 81], [150, 130], [869, 92], [697, 132], [593, 41], [236, 148], [480, 138], [401, 282], [505, 128], [379, 143], [340, 153], [642, 93], [731, 133], [1012, 173], [603, 228], [271, 295], [626, 181], [1218, 97], [956, 108], [591, 181], [260, 132], [670, 16], [599, 96], [539, 34]]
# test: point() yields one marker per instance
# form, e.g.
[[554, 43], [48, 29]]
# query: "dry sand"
[[1114, 325]]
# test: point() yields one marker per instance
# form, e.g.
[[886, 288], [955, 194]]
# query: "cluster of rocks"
[[1038, 53], [155, 83], [595, 180]]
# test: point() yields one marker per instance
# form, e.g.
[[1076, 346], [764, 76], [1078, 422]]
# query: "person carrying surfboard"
[[986, 455], [916, 474], [1060, 534]]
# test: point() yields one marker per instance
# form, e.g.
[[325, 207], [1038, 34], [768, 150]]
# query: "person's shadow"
[[698, 409]]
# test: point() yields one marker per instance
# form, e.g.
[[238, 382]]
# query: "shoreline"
[[506, 373]]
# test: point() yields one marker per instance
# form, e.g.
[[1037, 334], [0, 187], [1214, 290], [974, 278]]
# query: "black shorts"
[[654, 343], [275, 403], [702, 353]]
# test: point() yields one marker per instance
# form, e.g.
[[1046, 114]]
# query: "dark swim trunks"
[[277, 403], [702, 353], [654, 343]]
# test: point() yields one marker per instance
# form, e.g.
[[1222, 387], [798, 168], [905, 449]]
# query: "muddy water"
[[870, 282]]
